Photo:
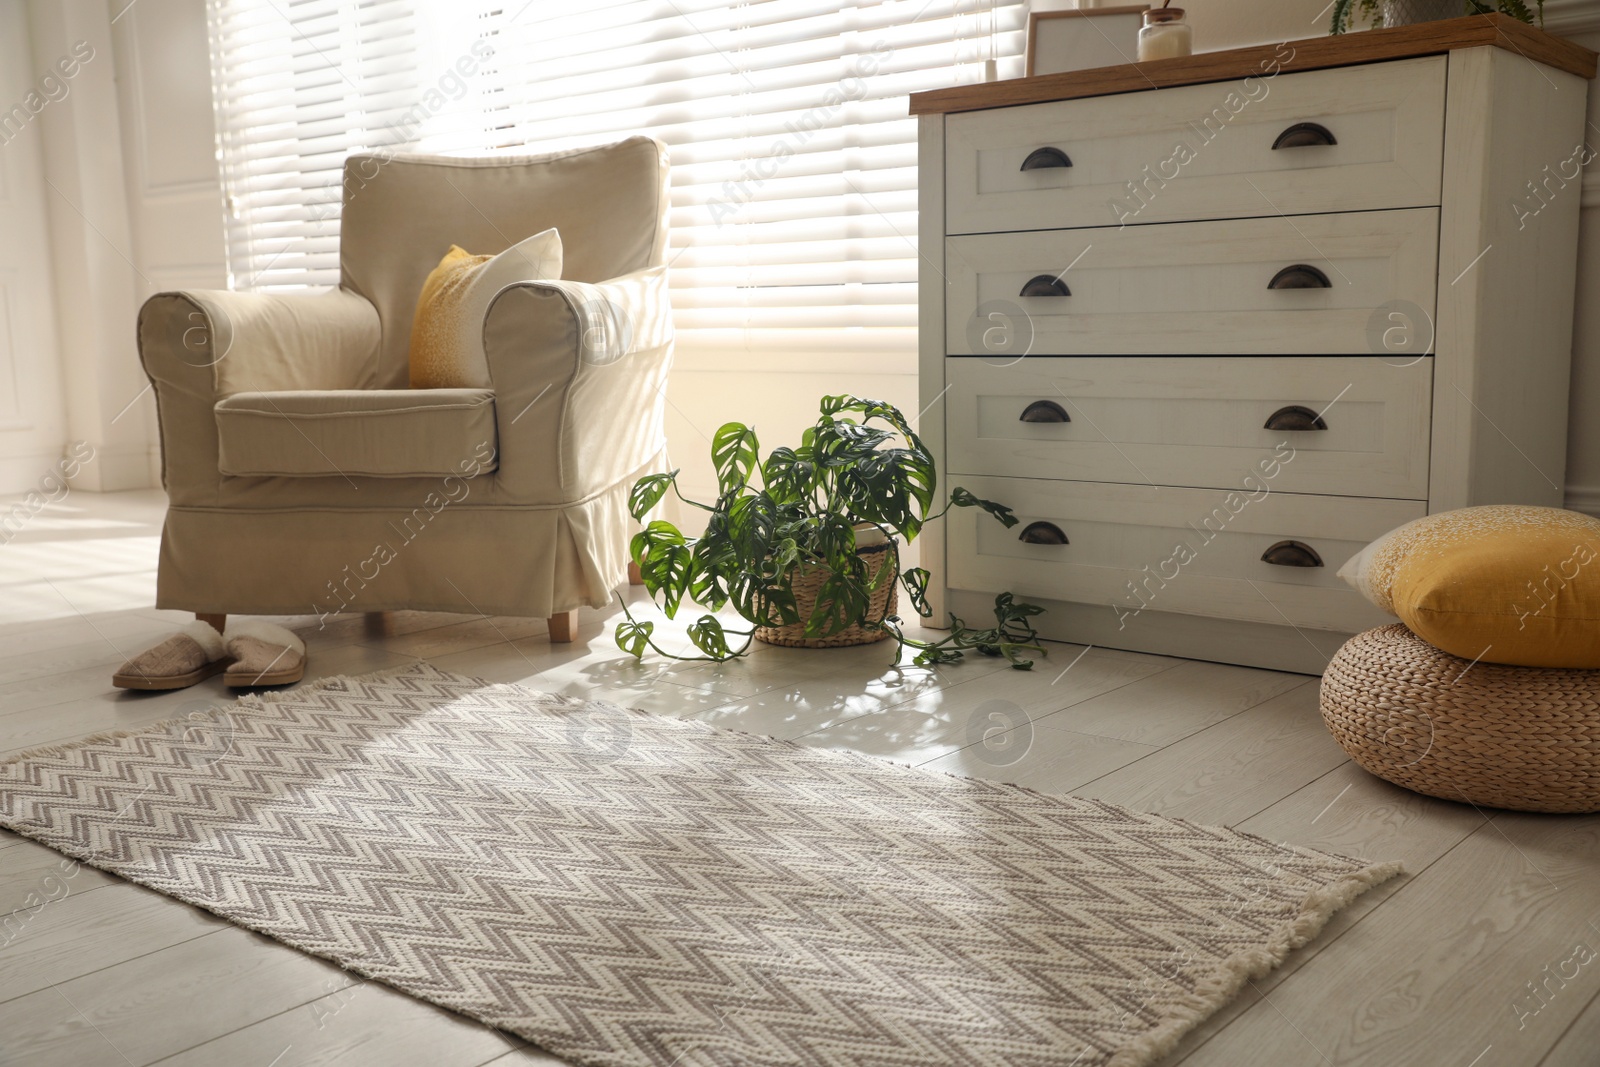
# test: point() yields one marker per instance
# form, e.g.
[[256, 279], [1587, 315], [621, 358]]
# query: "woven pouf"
[[1525, 738]]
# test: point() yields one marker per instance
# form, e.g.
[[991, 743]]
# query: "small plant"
[[1372, 10], [846, 474]]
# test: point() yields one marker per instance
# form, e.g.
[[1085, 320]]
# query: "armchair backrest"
[[403, 212]]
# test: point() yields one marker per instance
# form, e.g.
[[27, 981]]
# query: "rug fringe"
[[1218, 987]]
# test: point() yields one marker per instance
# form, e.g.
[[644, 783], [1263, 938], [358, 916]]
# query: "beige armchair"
[[304, 476]]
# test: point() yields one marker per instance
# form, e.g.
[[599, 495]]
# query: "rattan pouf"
[[1525, 738]]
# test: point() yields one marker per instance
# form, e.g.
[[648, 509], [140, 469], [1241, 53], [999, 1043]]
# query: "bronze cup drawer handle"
[[1300, 276], [1045, 285], [1305, 135], [1044, 411], [1046, 159], [1295, 417], [1291, 554], [1043, 533]]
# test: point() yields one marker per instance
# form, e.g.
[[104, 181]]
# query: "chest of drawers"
[[1210, 325]]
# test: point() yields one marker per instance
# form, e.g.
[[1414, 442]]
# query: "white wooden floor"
[[1434, 968]]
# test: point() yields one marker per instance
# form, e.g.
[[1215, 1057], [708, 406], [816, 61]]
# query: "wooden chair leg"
[[376, 623], [561, 628], [634, 577], [218, 622]]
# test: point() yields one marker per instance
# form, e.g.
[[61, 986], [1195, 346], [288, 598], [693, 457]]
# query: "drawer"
[[1191, 288], [1190, 551], [1195, 422], [1203, 151]]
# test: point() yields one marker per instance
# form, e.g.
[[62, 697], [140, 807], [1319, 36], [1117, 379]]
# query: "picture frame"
[[1061, 41]]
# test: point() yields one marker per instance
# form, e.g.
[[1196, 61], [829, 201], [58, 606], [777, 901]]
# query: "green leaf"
[[960, 498], [915, 580], [734, 453], [708, 636], [861, 436], [634, 637], [762, 602], [834, 545], [665, 563], [647, 493], [789, 476], [715, 564], [832, 405], [752, 524], [841, 600], [933, 655]]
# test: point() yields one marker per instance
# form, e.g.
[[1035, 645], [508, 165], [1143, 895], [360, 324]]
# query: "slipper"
[[193, 654], [264, 653]]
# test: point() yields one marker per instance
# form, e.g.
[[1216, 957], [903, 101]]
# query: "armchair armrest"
[[202, 345], [579, 372]]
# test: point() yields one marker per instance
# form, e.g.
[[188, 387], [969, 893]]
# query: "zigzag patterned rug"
[[627, 890]]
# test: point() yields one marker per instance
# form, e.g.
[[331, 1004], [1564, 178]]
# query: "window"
[[794, 162]]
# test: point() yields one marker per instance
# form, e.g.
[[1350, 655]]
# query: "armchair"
[[303, 476]]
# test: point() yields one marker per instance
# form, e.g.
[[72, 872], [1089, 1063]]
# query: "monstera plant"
[[805, 542]]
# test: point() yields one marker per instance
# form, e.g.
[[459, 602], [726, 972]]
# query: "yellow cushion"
[[447, 330], [1502, 584]]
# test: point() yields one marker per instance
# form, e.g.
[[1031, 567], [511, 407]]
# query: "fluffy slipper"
[[193, 654], [264, 653]]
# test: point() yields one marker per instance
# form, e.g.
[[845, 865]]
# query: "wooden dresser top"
[[1312, 53]]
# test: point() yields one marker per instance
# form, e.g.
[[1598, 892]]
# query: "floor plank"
[[171, 1000], [33, 877], [1381, 994], [363, 1024], [1050, 761], [86, 932], [1350, 812], [1228, 772], [44, 1029], [1173, 704], [526, 1057], [937, 724], [1580, 1045]]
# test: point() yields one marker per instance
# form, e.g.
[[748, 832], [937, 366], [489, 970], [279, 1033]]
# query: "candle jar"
[[1166, 34]]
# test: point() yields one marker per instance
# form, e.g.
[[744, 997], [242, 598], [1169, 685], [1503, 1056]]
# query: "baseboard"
[[22, 474], [1166, 633], [1584, 498], [114, 469]]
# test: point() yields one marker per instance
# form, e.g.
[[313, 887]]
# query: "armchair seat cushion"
[[382, 433]]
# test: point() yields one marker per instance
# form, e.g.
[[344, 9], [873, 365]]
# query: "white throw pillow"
[[447, 331]]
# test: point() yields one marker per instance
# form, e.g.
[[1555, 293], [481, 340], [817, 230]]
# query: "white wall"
[[174, 194], [174, 220], [32, 414]]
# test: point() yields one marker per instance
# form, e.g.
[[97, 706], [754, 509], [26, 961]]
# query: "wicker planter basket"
[[1525, 738], [884, 601]]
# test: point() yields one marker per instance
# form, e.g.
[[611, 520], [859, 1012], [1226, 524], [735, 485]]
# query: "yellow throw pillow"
[[1506, 583], [447, 331]]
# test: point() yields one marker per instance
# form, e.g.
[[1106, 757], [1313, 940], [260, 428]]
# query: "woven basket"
[[1411, 12], [808, 580], [1525, 738]]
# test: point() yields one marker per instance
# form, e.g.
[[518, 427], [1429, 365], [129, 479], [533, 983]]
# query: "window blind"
[[794, 161]]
